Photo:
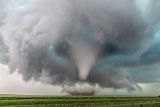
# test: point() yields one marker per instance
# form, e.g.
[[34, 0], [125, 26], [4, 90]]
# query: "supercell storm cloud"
[[112, 43]]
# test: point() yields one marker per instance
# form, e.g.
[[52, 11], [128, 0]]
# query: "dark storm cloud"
[[81, 41], [4, 58], [111, 78], [145, 74]]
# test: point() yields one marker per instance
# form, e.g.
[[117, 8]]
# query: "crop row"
[[67, 102]]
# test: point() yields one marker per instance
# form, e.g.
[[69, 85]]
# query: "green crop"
[[77, 101]]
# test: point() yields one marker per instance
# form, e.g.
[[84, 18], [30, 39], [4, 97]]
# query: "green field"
[[77, 101]]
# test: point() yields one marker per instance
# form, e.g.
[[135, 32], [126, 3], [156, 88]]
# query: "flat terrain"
[[77, 101]]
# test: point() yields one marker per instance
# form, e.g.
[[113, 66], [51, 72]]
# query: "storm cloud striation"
[[100, 42]]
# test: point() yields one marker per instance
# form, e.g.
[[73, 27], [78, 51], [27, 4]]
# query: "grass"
[[77, 101]]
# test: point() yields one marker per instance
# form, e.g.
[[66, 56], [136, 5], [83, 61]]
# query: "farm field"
[[77, 101]]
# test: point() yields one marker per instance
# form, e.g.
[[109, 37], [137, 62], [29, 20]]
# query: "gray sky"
[[13, 84], [144, 60]]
